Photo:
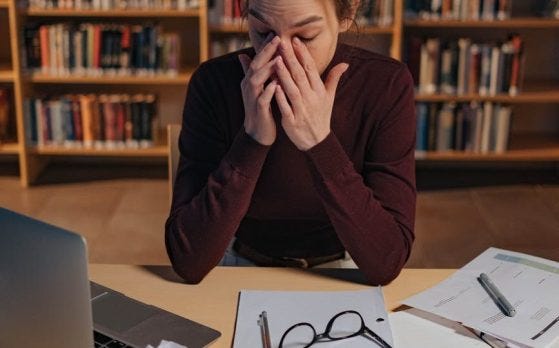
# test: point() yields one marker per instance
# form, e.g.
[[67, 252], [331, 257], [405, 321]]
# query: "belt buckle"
[[302, 263]]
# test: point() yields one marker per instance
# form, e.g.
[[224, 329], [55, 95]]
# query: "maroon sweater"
[[355, 190]]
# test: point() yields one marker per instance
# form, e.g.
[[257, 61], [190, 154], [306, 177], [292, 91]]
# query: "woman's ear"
[[349, 19]]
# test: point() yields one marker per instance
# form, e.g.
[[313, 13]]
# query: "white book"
[[495, 62], [503, 129], [423, 69], [40, 122], [463, 65], [488, 13], [433, 49], [456, 7], [474, 10]]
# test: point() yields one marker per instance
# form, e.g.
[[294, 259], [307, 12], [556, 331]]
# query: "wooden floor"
[[122, 217]]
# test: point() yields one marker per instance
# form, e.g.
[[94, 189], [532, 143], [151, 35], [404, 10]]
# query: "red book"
[[44, 39], [96, 46], [475, 69], [77, 117], [516, 70], [109, 119], [120, 120]]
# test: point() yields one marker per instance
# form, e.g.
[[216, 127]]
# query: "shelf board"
[[9, 149], [156, 151], [527, 97], [527, 22], [523, 148], [112, 13], [6, 75], [4, 3], [178, 79]]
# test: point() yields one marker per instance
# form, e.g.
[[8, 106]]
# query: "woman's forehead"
[[293, 11]]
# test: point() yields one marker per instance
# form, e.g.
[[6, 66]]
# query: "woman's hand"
[[304, 100], [259, 123]]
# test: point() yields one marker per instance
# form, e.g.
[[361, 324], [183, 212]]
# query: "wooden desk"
[[213, 302]]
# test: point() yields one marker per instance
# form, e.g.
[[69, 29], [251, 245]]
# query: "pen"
[[264, 330], [491, 341], [503, 304]]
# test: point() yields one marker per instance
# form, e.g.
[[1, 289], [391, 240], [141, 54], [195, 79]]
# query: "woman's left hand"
[[304, 100]]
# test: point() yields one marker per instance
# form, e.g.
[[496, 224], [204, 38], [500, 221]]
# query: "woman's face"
[[314, 22]]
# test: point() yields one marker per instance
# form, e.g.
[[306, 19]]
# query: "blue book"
[[422, 124]]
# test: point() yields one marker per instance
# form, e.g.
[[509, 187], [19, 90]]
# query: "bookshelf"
[[540, 91], [534, 132], [191, 26]]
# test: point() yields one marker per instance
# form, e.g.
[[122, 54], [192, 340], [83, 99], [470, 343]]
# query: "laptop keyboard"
[[103, 341]]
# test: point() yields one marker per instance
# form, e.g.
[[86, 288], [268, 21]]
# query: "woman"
[[296, 151]]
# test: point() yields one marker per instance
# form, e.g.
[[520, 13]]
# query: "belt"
[[271, 261]]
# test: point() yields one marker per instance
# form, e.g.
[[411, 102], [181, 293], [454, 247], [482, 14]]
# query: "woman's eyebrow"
[[301, 23]]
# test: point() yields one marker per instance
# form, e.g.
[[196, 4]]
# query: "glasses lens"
[[347, 324], [298, 337]]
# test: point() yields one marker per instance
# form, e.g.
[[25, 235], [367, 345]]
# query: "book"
[[101, 48], [106, 121]]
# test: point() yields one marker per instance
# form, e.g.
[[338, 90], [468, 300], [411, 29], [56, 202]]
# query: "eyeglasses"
[[343, 325]]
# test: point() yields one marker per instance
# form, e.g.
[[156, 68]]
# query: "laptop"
[[46, 299]]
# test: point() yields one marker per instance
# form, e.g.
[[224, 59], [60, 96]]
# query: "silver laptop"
[[46, 299]]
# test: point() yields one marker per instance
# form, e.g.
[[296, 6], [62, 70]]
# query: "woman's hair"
[[345, 9]]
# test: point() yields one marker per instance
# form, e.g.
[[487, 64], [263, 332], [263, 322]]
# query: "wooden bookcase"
[[540, 90]]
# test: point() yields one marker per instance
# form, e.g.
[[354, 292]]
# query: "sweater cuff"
[[246, 155], [328, 157]]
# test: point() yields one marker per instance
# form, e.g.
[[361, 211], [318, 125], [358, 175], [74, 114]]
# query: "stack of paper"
[[286, 308], [419, 329], [531, 285]]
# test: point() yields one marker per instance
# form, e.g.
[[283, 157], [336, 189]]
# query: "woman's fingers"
[[262, 75], [266, 54], [283, 104], [295, 68], [334, 77], [245, 62], [308, 64], [265, 98], [288, 85]]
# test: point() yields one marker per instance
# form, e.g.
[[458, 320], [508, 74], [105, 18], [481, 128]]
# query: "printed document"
[[531, 285]]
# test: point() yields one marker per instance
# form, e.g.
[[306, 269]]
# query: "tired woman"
[[296, 152]]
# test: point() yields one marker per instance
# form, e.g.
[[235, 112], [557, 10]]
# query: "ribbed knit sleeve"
[[373, 212], [214, 184]]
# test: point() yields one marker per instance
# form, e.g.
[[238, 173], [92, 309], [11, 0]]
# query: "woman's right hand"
[[259, 122]]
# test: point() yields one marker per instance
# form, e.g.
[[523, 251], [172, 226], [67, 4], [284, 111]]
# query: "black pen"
[[264, 330], [501, 301]]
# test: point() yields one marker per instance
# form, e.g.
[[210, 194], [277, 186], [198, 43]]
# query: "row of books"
[[487, 10], [95, 48], [470, 127], [225, 12], [224, 45], [376, 12], [93, 121], [107, 5], [464, 67], [6, 124]]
